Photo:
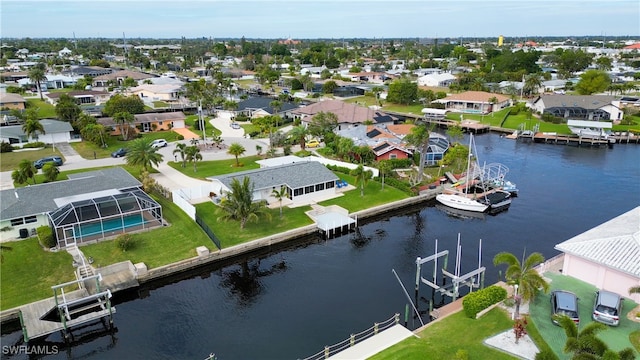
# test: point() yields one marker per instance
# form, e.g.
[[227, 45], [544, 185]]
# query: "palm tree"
[[531, 84], [236, 150], [276, 105], [280, 195], [25, 171], [193, 155], [32, 127], [141, 153], [37, 75], [299, 134], [124, 119], [181, 149], [524, 275], [239, 205], [385, 168], [585, 344], [50, 172], [419, 137], [362, 177]]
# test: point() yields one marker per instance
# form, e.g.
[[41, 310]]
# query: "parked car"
[[57, 160], [235, 125], [564, 303], [158, 143], [607, 308], [312, 143], [119, 153]]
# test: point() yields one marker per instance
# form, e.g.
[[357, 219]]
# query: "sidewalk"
[[374, 344]]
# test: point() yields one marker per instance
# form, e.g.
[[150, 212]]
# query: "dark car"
[[56, 160], [607, 308], [119, 153], [564, 303]]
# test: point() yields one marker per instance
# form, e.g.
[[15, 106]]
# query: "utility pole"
[[201, 122]]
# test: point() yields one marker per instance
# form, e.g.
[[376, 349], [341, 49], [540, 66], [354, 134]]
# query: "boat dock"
[[554, 138], [332, 220]]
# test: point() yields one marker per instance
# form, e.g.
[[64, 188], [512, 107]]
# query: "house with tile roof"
[[86, 207], [148, 122], [349, 115], [607, 256], [306, 181], [579, 107], [476, 102], [118, 77], [55, 132]]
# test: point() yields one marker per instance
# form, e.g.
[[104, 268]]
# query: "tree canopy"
[[120, 103], [402, 91]]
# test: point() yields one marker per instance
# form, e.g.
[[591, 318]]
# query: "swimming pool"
[[115, 224]]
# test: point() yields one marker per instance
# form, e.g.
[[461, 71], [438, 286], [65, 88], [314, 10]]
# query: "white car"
[[158, 143]]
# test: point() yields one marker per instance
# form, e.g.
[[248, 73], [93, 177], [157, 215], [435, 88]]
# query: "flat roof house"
[[88, 207]]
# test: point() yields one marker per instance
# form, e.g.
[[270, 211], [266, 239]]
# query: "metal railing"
[[354, 339]]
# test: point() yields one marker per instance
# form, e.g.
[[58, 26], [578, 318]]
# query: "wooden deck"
[[552, 138]]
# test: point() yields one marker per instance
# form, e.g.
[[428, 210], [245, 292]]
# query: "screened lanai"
[[104, 216]]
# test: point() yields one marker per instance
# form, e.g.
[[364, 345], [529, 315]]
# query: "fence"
[[354, 339], [208, 231]]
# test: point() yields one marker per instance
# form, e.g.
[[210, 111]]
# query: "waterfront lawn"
[[45, 110], [10, 160], [454, 333], [229, 233], [374, 195], [157, 247], [29, 272], [216, 167]]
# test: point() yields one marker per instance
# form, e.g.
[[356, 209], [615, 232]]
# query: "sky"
[[310, 19]]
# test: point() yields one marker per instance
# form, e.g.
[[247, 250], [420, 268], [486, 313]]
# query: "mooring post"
[[25, 336], [418, 266], [375, 328], [406, 315], [326, 352]]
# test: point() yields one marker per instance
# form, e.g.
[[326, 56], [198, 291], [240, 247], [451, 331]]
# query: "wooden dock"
[[553, 138]]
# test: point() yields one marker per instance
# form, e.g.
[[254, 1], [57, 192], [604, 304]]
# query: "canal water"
[[288, 303]]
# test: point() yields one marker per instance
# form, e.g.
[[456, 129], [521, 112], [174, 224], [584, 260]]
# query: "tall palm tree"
[[50, 172], [193, 155], [32, 127], [141, 153], [299, 134], [124, 119], [385, 168], [37, 75], [181, 149], [586, 345], [280, 195], [276, 105], [362, 177], [239, 205], [419, 137], [532, 84], [524, 275], [236, 149], [25, 171]]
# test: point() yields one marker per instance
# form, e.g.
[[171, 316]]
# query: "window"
[[298, 192], [308, 189], [319, 187], [15, 222], [30, 219], [393, 156], [329, 185]]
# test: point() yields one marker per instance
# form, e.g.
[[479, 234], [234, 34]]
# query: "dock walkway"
[[374, 344]]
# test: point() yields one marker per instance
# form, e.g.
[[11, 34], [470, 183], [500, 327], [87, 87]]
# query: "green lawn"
[[158, 247], [87, 149], [230, 234], [456, 332], [616, 338], [28, 272], [160, 104], [45, 110], [373, 195], [9, 161], [217, 167]]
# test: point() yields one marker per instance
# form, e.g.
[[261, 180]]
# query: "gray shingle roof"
[[615, 244], [294, 175], [50, 126], [38, 199], [578, 101]]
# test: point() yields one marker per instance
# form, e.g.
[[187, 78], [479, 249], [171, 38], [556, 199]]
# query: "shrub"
[[124, 242], [37, 144], [180, 137], [477, 301], [5, 147], [45, 235], [461, 354], [400, 163], [546, 354]]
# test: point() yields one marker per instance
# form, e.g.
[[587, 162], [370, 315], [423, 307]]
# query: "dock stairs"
[[83, 266]]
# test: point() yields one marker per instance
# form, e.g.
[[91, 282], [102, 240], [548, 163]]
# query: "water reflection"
[[244, 282]]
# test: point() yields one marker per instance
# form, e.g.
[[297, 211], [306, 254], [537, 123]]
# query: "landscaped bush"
[[124, 242], [340, 169], [477, 301], [37, 144], [5, 147], [400, 163], [180, 137], [400, 185], [46, 236], [546, 354]]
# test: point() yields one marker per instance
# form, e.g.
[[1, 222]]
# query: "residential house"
[[607, 256], [437, 80], [89, 206], [150, 92], [579, 107], [51, 82], [305, 182], [12, 101], [349, 115], [118, 77], [149, 122], [55, 132], [13, 76], [82, 97], [259, 106], [476, 102], [91, 71]]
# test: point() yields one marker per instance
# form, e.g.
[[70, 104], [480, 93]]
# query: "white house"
[[149, 92], [607, 256], [55, 132], [437, 80]]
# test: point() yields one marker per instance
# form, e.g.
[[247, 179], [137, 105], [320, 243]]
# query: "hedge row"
[[477, 301]]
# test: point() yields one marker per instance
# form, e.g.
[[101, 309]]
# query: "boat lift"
[[472, 279]]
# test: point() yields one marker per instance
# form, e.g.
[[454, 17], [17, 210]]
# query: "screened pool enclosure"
[[104, 216]]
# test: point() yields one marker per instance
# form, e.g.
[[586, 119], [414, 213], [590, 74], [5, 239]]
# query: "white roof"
[[277, 161], [434, 111], [590, 124], [615, 244]]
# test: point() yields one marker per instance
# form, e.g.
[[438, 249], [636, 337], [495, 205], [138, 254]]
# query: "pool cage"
[[98, 218], [438, 145]]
